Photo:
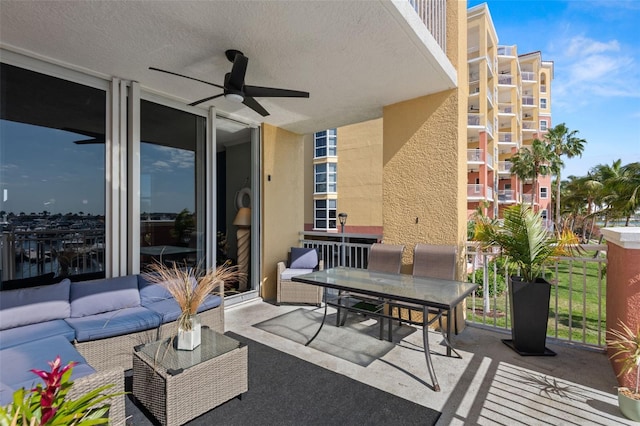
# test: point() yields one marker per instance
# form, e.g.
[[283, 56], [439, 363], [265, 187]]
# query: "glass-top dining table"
[[435, 296]]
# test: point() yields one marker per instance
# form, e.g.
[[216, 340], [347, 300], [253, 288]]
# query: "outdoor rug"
[[285, 390], [356, 342]]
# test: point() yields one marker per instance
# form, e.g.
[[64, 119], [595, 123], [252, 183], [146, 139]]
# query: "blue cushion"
[[151, 292], [22, 358], [29, 333], [303, 258], [105, 295], [117, 323], [170, 311], [35, 304]]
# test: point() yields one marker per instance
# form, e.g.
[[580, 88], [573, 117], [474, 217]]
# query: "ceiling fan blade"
[[272, 92], [205, 99], [186, 76], [238, 71], [254, 105]]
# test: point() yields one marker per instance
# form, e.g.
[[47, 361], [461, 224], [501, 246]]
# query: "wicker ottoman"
[[177, 386]]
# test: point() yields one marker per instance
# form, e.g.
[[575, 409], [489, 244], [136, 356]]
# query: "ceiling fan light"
[[234, 97]]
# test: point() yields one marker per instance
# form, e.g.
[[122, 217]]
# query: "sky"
[[595, 48]]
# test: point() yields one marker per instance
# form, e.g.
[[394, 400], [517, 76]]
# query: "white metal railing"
[[474, 119], [578, 295], [505, 79], [528, 100], [504, 166], [434, 15], [504, 108], [507, 50], [506, 195], [474, 155], [506, 137], [528, 75]]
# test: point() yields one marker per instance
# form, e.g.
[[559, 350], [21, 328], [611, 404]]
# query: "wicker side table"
[[177, 386]]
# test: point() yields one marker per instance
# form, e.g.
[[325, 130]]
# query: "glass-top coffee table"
[[177, 386]]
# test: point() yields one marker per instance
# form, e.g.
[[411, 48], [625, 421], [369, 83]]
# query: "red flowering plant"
[[48, 405]]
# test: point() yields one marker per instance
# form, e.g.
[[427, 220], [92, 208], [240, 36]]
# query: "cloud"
[[587, 69]]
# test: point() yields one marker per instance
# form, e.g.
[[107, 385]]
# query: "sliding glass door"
[[172, 144]]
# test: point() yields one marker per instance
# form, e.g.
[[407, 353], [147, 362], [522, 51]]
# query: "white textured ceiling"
[[353, 57]]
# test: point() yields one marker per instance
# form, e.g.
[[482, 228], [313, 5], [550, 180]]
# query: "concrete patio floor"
[[490, 385]]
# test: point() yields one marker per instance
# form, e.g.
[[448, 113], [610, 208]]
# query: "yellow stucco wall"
[[282, 200], [424, 160], [360, 173]]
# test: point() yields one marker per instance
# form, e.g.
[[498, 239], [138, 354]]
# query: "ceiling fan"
[[234, 88]]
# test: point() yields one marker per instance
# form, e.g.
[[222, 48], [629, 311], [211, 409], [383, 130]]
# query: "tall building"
[[509, 106]]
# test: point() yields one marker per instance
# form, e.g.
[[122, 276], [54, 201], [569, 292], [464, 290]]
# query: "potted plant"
[[50, 404], [189, 286], [527, 246], [624, 346]]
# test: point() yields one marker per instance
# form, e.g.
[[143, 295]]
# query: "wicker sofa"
[[96, 323]]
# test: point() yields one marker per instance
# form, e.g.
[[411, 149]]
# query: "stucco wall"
[[282, 200], [360, 174], [424, 159]]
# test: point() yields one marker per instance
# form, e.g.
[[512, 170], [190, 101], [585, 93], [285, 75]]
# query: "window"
[[325, 143], [544, 192], [325, 178], [52, 162], [543, 103], [543, 125], [324, 214]]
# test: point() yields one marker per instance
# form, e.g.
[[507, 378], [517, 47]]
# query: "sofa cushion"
[[115, 323], [35, 304], [169, 310], [288, 273], [106, 295], [32, 332], [303, 258], [151, 292], [22, 358]]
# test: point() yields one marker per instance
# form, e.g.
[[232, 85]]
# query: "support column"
[[623, 284]]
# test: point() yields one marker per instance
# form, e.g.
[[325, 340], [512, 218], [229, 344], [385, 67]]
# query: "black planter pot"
[[529, 316]]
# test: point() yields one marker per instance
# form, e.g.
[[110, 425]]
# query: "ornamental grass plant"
[[625, 344], [190, 286]]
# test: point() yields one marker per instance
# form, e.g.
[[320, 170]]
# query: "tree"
[[567, 143], [530, 163]]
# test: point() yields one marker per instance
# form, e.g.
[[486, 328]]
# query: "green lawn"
[[577, 285]]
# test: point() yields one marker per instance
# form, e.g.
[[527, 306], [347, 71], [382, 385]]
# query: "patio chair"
[[301, 261], [382, 258], [432, 261]]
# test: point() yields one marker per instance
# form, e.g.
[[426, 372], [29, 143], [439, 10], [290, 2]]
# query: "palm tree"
[[567, 143], [627, 185], [532, 162]]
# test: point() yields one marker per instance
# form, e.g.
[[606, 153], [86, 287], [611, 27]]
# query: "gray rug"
[[357, 341], [287, 391]]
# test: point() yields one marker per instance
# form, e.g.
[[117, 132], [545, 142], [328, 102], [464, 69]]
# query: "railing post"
[[623, 284]]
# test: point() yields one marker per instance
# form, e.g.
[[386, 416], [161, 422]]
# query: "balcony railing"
[[528, 76], [474, 119], [506, 50], [478, 191], [504, 108], [67, 252], [474, 155], [434, 15], [529, 125], [504, 166], [506, 137], [577, 307], [507, 195], [527, 198], [528, 100], [505, 79]]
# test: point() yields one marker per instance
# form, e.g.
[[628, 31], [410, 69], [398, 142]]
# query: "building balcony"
[[529, 126], [507, 51], [528, 76], [475, 119], [505, 108], [507, 138], [529, 101], [477, 192], [506, 196], [506, 79], [504, 167], [474, 156]]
